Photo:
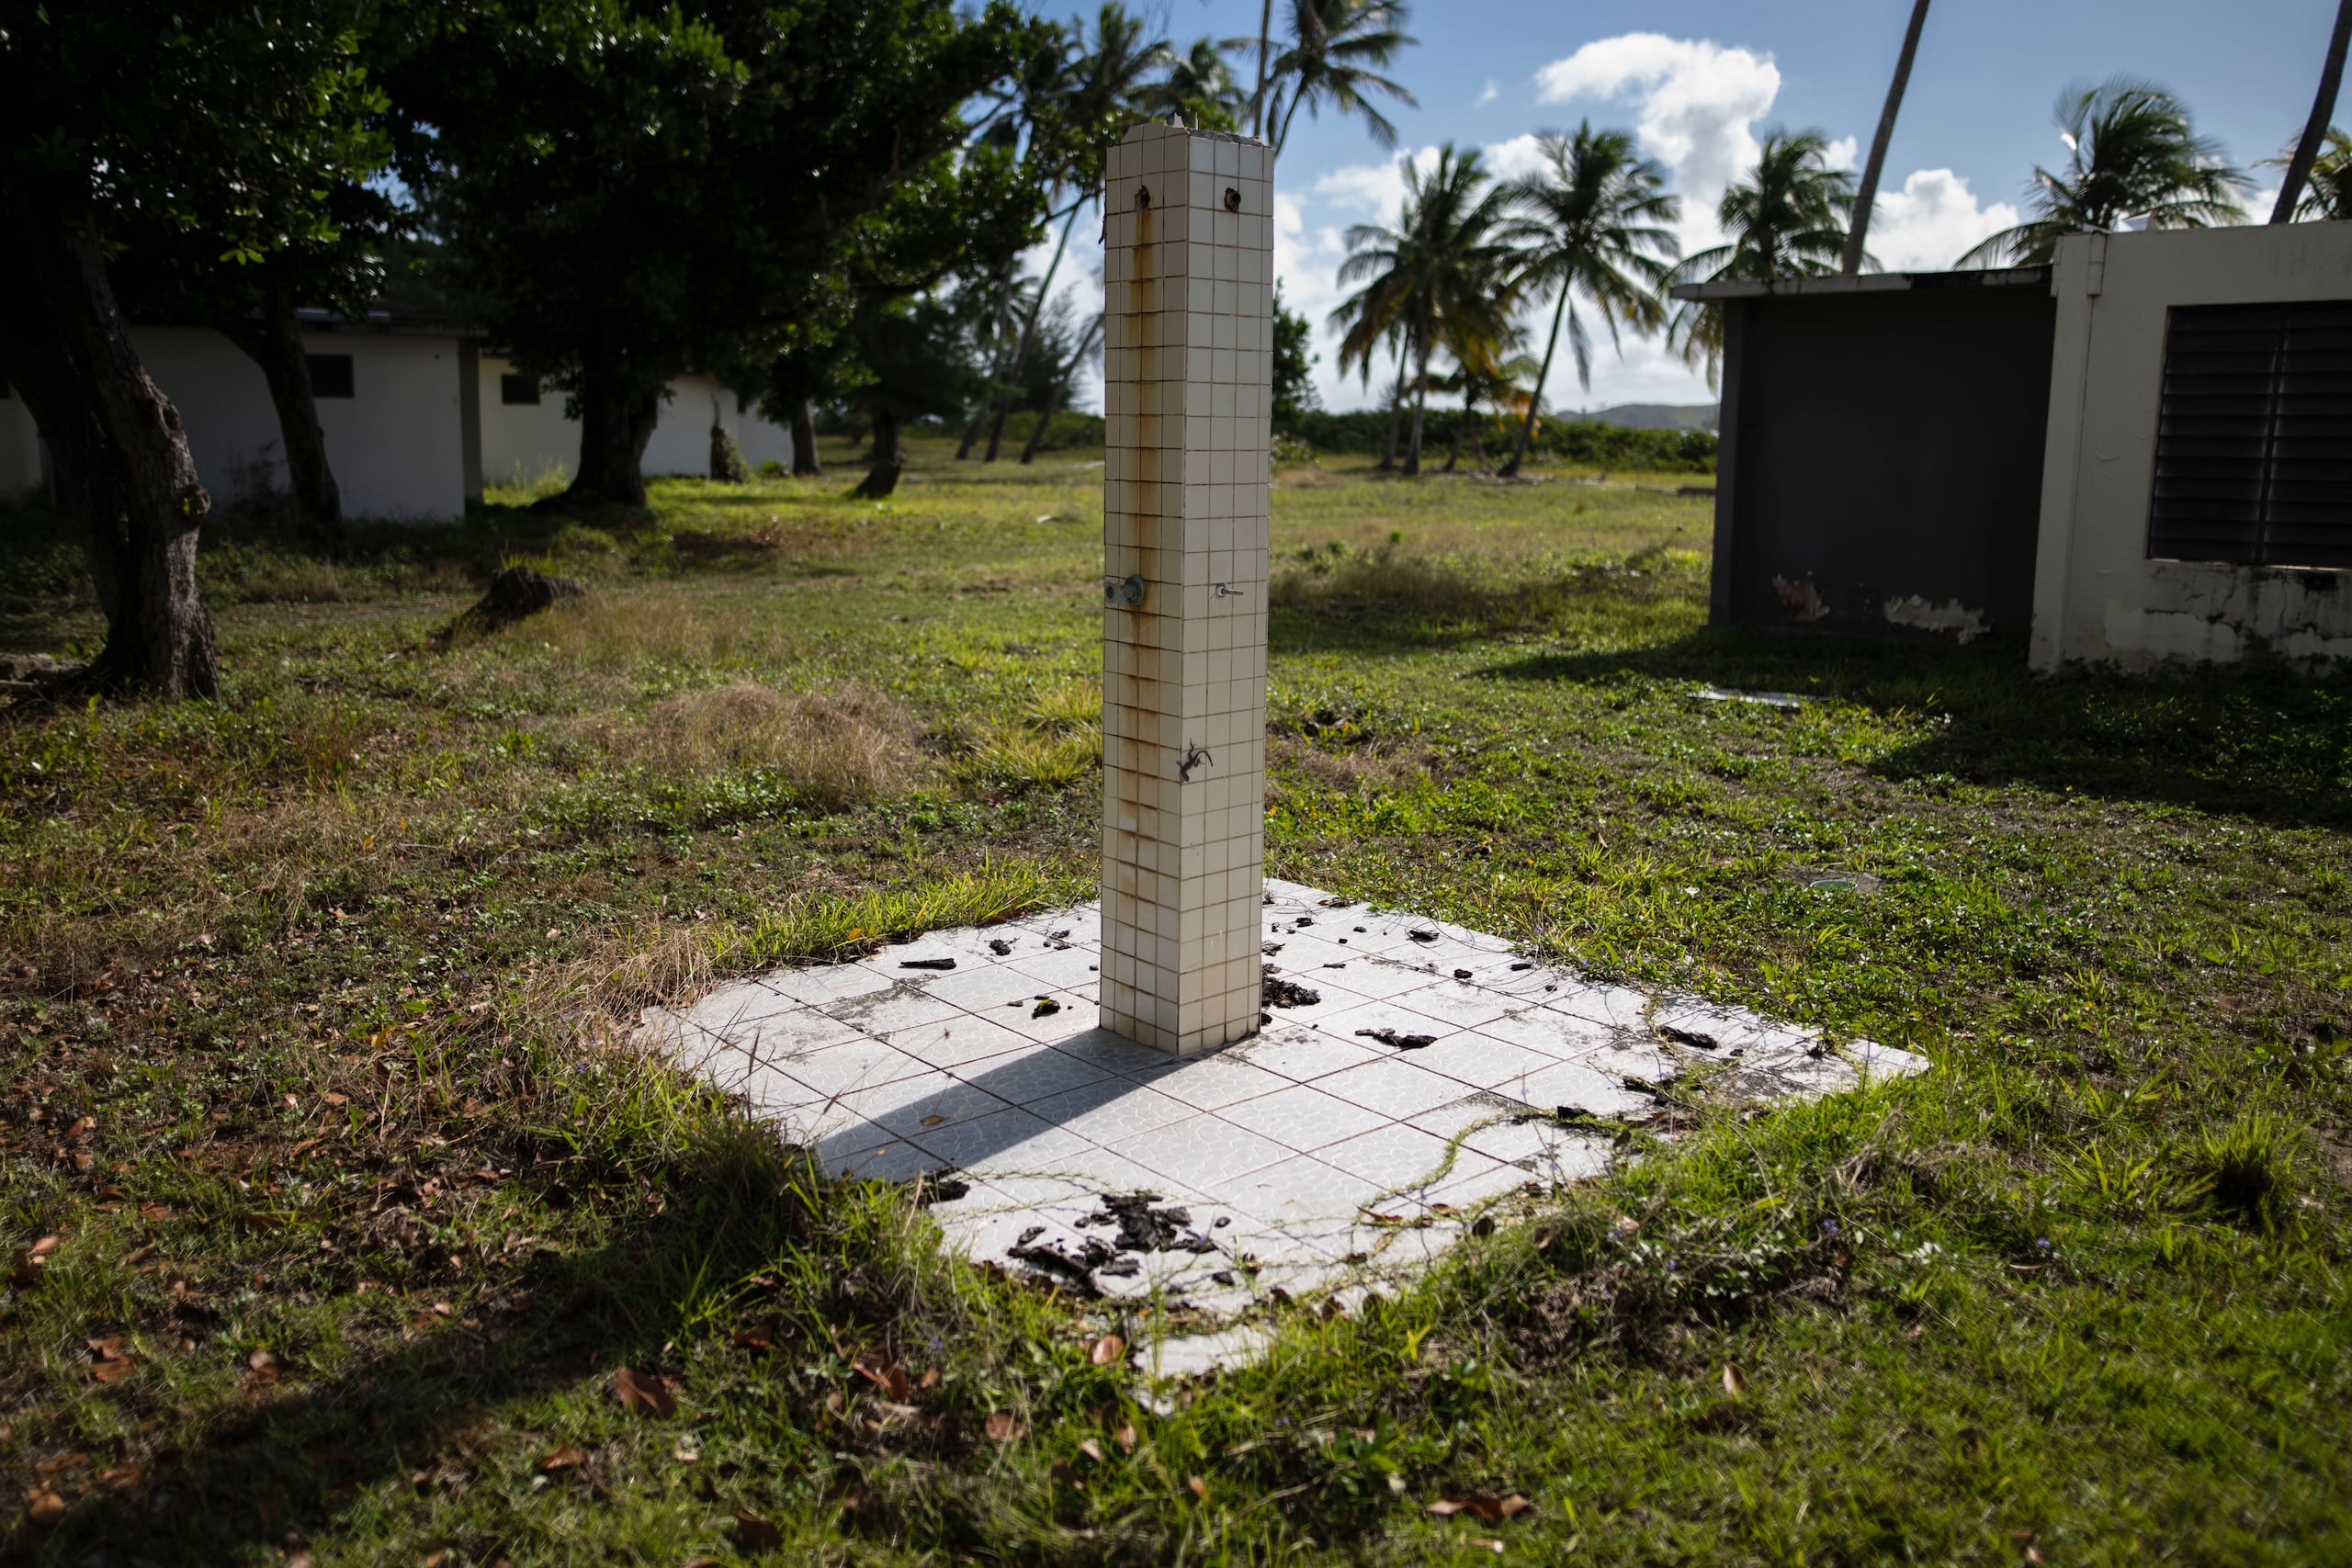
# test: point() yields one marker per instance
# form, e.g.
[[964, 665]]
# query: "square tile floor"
[[1314, 1158]]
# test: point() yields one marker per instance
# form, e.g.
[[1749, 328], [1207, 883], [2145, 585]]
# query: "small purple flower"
[[2044, 1244], [1830, 1227]]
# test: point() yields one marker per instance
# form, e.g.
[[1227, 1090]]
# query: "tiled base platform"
[[1313, 1157]]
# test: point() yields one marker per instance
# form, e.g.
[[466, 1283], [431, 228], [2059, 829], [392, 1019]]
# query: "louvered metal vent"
[[2253, 446]]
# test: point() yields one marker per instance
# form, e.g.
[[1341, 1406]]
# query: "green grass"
[[312, 1004]]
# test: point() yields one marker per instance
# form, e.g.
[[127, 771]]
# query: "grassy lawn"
[[339, 1213]]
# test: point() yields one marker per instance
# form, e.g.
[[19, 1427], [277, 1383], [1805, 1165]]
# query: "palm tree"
[[1442, 273], [2316, 131], [1858, 235], [1788, 221], [2327, 192], [1589, 224], [2132, 153], [1100, 90], [1338, 48], [1199, 85]]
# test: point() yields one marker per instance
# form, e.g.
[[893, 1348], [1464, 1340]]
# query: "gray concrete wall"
[[2098, 596], [1881, 465]]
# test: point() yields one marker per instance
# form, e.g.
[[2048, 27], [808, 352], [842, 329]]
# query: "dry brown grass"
[[838, 748], [622, 629]]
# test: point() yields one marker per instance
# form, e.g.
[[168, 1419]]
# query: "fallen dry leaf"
[[755, 1336], [264, 1365], [564, 1456], [120, 1475], [1479, 1504], [336, 1100], [1734, 1385], [1487, 1543], [643, 1392], [106, 1349], [929, 1381], [1199, 1488], [438, 1559], [884, 1374], [114, 1370], [1002, 1426], [1107, 1351], [45, 1506], [1092, 1450], [755, 1534], [154, 1212], [1126, 1437]]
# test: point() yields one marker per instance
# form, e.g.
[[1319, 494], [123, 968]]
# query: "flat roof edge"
[[1869, 283]]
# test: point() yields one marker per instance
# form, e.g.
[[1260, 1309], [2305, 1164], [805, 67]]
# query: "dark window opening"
[[2254, 442], [519, 390], [330, 375]]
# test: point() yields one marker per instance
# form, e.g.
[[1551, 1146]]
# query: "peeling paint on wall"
[[1801, 597], [2219, 613], [1950, 616]]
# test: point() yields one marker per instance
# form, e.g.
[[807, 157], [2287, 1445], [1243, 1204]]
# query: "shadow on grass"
[[278, 1472], [2260, 741]]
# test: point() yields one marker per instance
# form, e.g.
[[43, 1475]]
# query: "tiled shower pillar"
[[1188, 274]]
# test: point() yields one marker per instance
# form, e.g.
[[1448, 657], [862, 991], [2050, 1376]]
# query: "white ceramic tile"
[[1394, 1086], [960, 1042], [1219, 1134], [1303, 1054], [825, 983], [1109, 1110], [1200, 1151], [1208, 1082], [901, 1007], [1302, 1117], [844, 1070]]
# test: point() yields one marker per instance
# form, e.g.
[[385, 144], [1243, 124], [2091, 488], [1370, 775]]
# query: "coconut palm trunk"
[[1859, 231], [1536, 403], [2331, 77], [1420, 403], [1029, 333]]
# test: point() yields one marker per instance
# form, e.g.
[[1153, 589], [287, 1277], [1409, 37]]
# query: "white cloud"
[[1929, 223], [1839, 153], [1695, 102], [1487, 94], [1514, 159]]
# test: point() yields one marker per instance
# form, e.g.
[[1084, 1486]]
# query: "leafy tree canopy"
[[625, 190]]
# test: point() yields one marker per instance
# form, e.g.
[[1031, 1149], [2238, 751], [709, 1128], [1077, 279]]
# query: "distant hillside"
[[1656, 416]]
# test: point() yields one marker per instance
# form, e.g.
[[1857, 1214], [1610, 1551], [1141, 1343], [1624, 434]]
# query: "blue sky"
[[1698, 82]]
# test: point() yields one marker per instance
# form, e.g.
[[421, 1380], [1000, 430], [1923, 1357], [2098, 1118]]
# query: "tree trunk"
[[805, 464], [2331, 77], [1029, 333], [120, 456], [1061, 390], [1396, 417], [882, 477], [1536, 403], [1859, 231], [996, 362], [274, 343], [614, 425], [1420, 403], [1265, 46]]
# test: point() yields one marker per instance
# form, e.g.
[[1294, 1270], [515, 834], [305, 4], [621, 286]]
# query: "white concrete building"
[[527, 438], [2197, 484], [416, 418]]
